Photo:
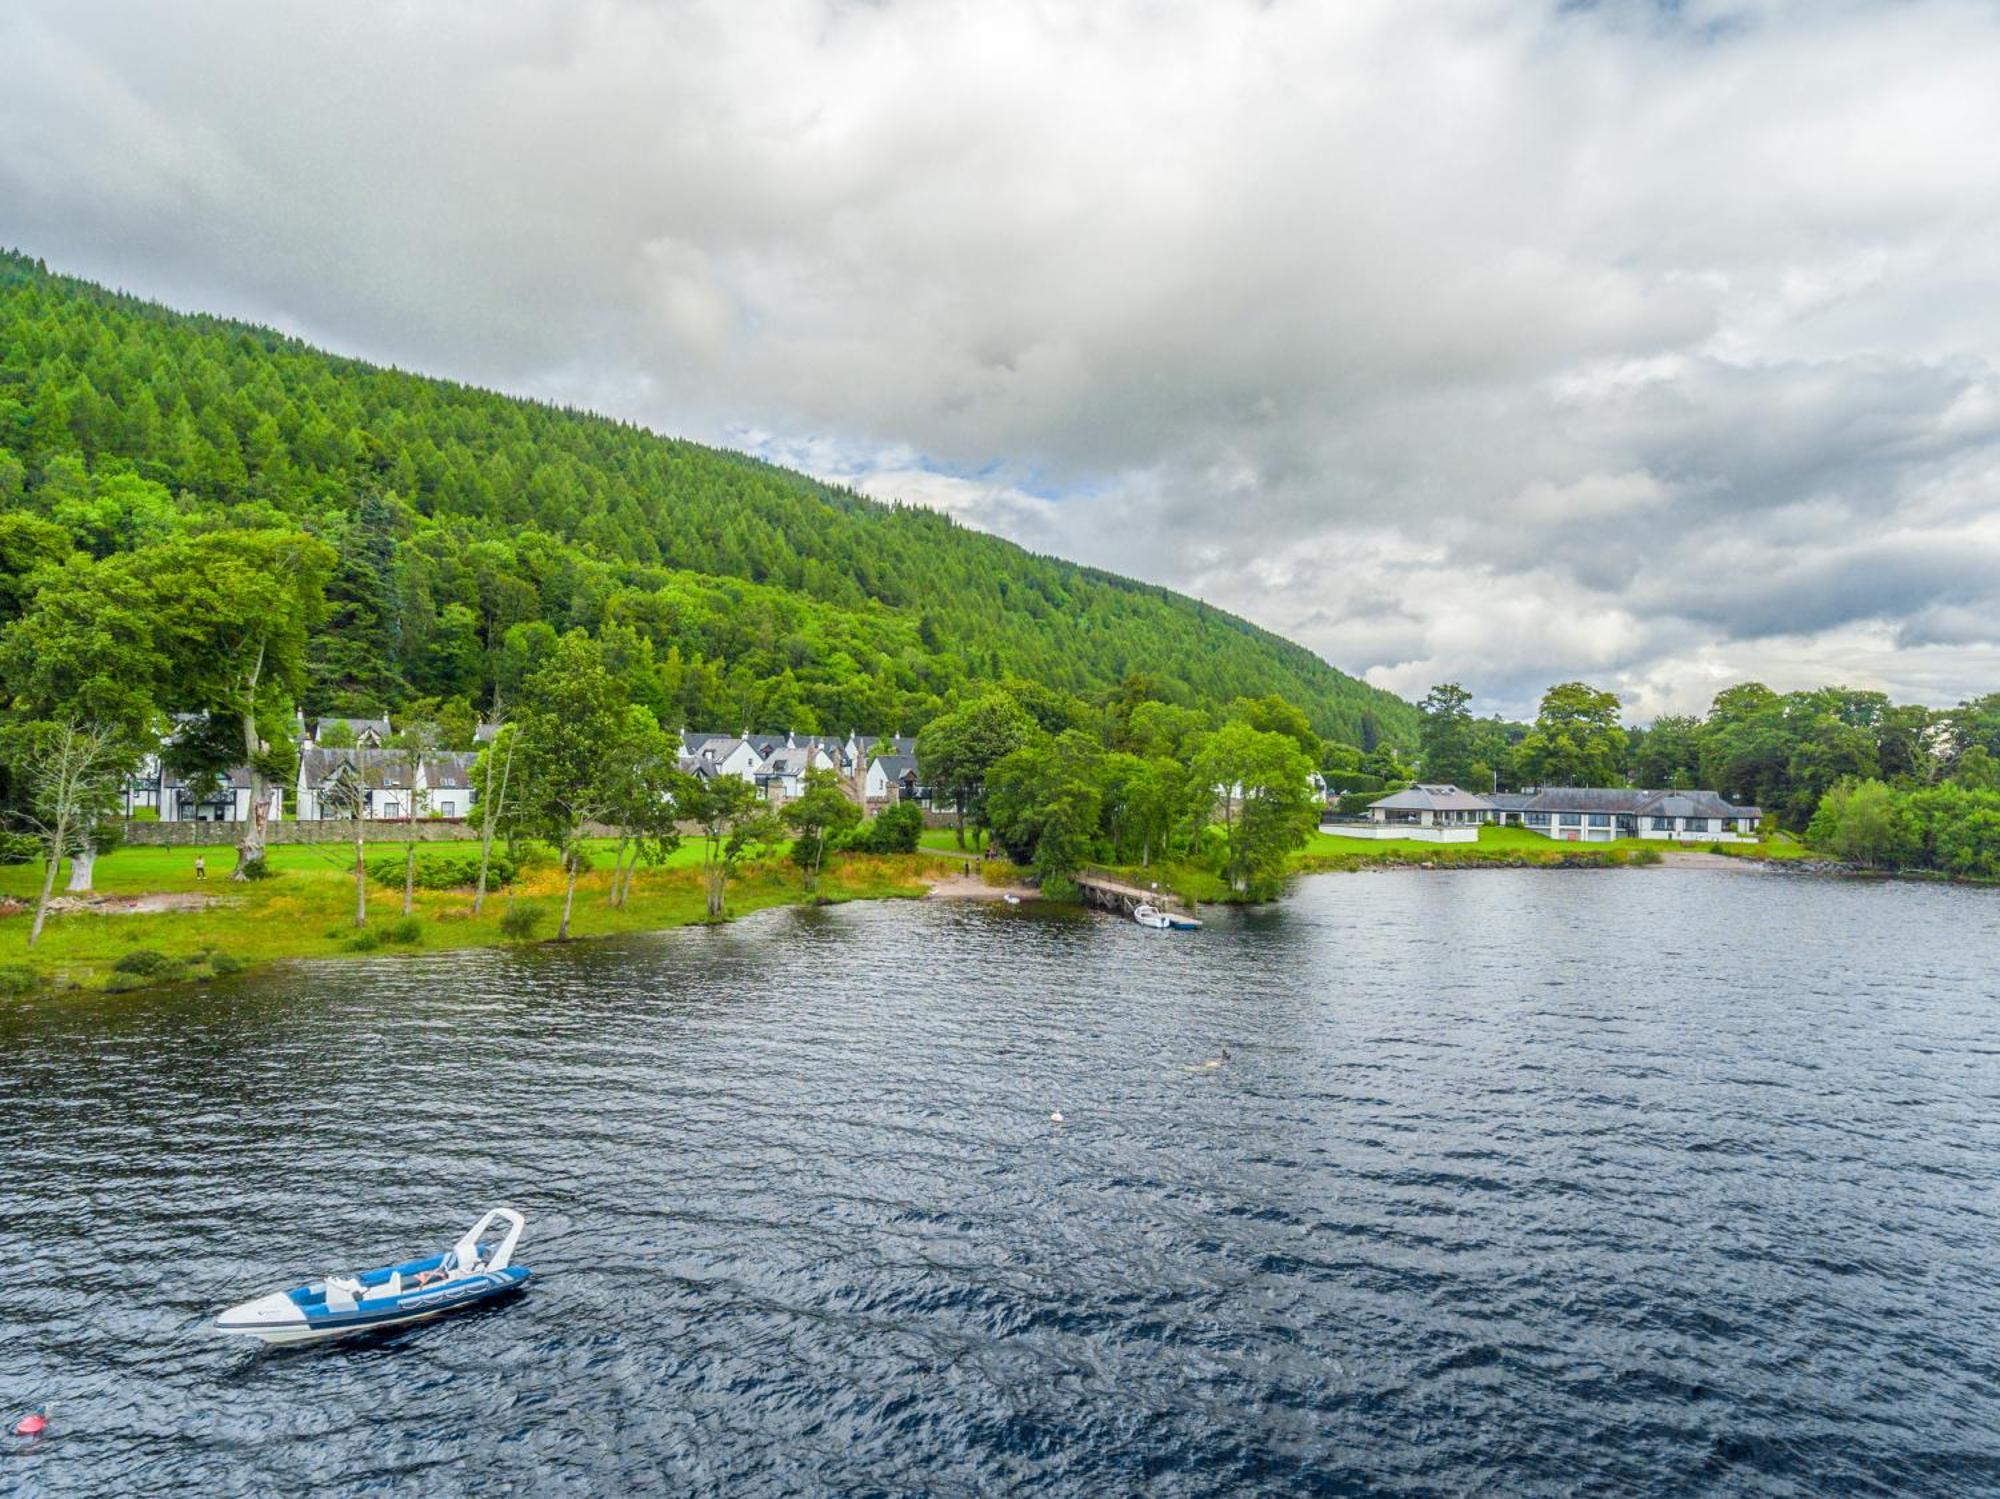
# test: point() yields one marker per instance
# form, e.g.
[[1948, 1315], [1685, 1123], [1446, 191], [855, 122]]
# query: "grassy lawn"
[[945, 840], [307, 909]]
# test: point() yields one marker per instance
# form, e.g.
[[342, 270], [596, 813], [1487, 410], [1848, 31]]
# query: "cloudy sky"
[[1488, 340]]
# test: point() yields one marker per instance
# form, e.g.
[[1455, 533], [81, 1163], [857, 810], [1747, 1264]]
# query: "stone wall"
[[212, 834]]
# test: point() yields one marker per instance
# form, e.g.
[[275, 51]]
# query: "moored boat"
[[1148, 916], [468, 1273]]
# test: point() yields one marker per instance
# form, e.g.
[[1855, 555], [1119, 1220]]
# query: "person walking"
[[200, 867]]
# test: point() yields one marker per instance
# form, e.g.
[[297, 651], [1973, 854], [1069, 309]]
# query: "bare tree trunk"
[[632, 868], [1146, 850], [81, 864], [251, 848], [360, 872], [48, 888], [617, 867], [410, 856], [492, 814], [569, 893]]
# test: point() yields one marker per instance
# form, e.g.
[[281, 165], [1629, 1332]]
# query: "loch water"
[[1640, 1182]]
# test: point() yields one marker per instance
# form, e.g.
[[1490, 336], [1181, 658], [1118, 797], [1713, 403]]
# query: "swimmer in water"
[[1212, 1063]]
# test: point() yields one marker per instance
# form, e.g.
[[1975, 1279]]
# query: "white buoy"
[[1056, 1117]]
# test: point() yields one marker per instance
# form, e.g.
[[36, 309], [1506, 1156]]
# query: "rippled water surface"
[[1649, 1182]]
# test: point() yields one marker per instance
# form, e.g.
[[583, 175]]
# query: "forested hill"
[[762, 596]]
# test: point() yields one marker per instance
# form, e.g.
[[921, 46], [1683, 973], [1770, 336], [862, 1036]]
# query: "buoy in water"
[[32, 1425], [1056, 1117]]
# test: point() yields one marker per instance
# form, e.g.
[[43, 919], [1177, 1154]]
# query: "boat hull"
[[280, 1319]]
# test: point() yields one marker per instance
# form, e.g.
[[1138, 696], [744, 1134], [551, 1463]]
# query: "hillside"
[[763, 596]]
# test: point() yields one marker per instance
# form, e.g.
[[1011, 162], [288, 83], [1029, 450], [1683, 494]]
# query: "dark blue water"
[[1648, 1182]]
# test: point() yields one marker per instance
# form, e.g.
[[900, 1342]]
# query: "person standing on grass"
[[200, 867]]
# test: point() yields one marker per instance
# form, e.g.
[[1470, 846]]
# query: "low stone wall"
[[210, 834]]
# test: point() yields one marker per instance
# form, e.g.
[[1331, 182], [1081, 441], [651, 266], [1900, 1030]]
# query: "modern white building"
[[1598, 814], [1427, 814], [1578, 814]]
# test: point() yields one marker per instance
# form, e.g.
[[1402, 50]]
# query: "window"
[[1535, 819], [1568, 820], [1698, 825], [1663, 824], [1600, 819]]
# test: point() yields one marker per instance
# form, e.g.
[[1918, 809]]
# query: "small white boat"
[[464, 1275], [1148, 916], [1011, 899]]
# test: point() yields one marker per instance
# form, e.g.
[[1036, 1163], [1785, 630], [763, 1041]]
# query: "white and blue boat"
[[467, 1274]]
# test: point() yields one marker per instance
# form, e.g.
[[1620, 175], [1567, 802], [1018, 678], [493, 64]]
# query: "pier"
[[1101, 889]]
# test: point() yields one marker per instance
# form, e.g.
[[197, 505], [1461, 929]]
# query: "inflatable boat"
[[467, 1274]]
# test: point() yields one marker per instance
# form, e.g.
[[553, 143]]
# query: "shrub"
[[521, 922], [223, 964], [895, 829], [365, 940], [258, 868], [442, 871], [407, 931], [19, 848], [146, 963], [17, 979], [531, 853]]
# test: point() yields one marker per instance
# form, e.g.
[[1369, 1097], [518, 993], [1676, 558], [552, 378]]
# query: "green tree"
[[1576, 740], [644, 780], [1667, 756], [1261, 783], [819, 816], [957, 749], [570, 717], [1446, 736], [1864, 822], [1046, 801], [734, 822]]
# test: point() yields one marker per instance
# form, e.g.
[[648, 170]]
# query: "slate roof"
[[895, 767], [1631, 802], [1433, 798], [449, 770], [380, 769]]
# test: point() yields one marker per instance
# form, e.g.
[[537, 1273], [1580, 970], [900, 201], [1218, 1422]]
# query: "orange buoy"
[[32, 1425]]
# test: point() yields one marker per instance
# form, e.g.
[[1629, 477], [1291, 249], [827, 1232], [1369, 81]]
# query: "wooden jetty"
[[1101, 889]]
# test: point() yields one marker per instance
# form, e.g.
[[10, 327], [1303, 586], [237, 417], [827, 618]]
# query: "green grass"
[[307, 910], [1510, 845]]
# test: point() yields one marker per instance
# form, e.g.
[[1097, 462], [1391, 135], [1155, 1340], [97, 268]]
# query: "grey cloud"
[[1478, 340]]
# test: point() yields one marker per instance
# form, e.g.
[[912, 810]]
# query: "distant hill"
[[763, 596]]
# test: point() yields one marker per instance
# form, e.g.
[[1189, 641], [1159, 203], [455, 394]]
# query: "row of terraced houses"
[[390, 784]]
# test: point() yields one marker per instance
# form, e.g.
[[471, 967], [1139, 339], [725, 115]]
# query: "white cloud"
[[1471, 340]]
